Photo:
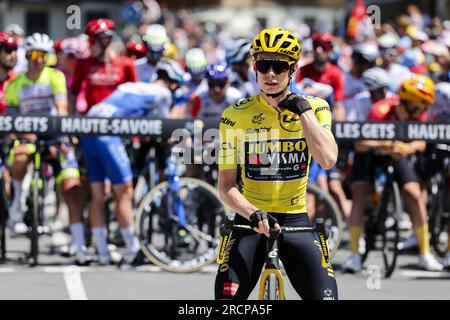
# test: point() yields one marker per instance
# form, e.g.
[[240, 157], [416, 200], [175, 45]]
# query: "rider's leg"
[[415, 206], [301, 254], [360, 177], [116, 165], [322, 182], [360, 194], [336, 190], [97, 218], [123, 194], [19, 162], [74, 200], [244, 260]]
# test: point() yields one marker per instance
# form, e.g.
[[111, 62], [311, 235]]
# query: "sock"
[[100, 236], [77, 231], [422, 239], [355, 234], [130, 239]]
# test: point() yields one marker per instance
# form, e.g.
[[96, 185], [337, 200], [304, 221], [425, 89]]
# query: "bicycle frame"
[[272, 266]]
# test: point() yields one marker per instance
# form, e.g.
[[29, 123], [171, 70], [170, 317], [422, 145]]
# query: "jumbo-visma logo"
[[284, 146], [276, 160]]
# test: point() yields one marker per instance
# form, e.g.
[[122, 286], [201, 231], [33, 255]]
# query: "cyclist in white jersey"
[[210, 101], [156, 41], [196, 64], [107, 159], [239, 61], [363, 57]]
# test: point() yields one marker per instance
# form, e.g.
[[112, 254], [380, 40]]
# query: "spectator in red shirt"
[[323, 71], [8, 59], [102, 71]]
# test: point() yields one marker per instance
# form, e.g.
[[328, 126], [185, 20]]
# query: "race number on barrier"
[[343, 131]]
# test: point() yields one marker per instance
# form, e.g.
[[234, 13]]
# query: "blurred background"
[[239, 17]]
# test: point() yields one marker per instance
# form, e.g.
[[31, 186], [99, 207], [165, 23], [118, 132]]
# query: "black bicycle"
[[271, 283], [382, 231], [439, 203], [34, 217], [4, 207]]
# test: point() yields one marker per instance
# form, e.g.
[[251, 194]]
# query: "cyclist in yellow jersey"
[[272, 136]]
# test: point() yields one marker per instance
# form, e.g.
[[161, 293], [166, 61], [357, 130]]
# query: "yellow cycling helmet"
[[419, 89], [276, 40]]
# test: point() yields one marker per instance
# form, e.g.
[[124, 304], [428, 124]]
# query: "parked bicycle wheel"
[[440, 223], [176, 246], [3, 217], [35, 207], [325, 207], [382, 228], [391, 230]]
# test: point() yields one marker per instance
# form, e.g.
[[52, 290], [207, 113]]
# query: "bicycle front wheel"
[[325, 207], [180, 242], [34, 234], [390, 207], [440, 223]]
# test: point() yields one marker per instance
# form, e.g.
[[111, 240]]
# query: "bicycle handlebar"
[[228, 226], [283, 229]]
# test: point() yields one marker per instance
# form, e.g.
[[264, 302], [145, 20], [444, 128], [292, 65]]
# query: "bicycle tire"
[[333, 218], [439, 223], [34, 234], [272, 287], [394, 230], [3, 218], [151, 252]]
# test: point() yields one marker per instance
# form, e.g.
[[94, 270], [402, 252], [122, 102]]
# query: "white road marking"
[[423, 274], [209, 269], [74, 284], [6, 270], [148, 268]]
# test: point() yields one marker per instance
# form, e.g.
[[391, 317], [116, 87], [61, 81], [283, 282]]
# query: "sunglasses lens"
[[278, 66], [263, 66], [220, 84], [34, 55], [9, 49]]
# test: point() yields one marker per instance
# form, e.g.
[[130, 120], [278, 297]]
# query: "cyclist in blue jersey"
[[107, 159]]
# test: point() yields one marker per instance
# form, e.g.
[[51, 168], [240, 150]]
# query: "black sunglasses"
[[278, 66], [8, 49], [217, 83]]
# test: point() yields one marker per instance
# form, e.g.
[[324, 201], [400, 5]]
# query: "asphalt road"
[[56, 278]]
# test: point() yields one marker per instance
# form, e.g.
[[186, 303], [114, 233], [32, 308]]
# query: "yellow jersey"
[[272, 151]]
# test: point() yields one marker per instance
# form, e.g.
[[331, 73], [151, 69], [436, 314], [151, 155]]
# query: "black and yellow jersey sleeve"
[[272, 151]]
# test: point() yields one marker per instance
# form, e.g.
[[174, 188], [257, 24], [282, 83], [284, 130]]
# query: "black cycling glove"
[[260, 215], [295, 103]]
